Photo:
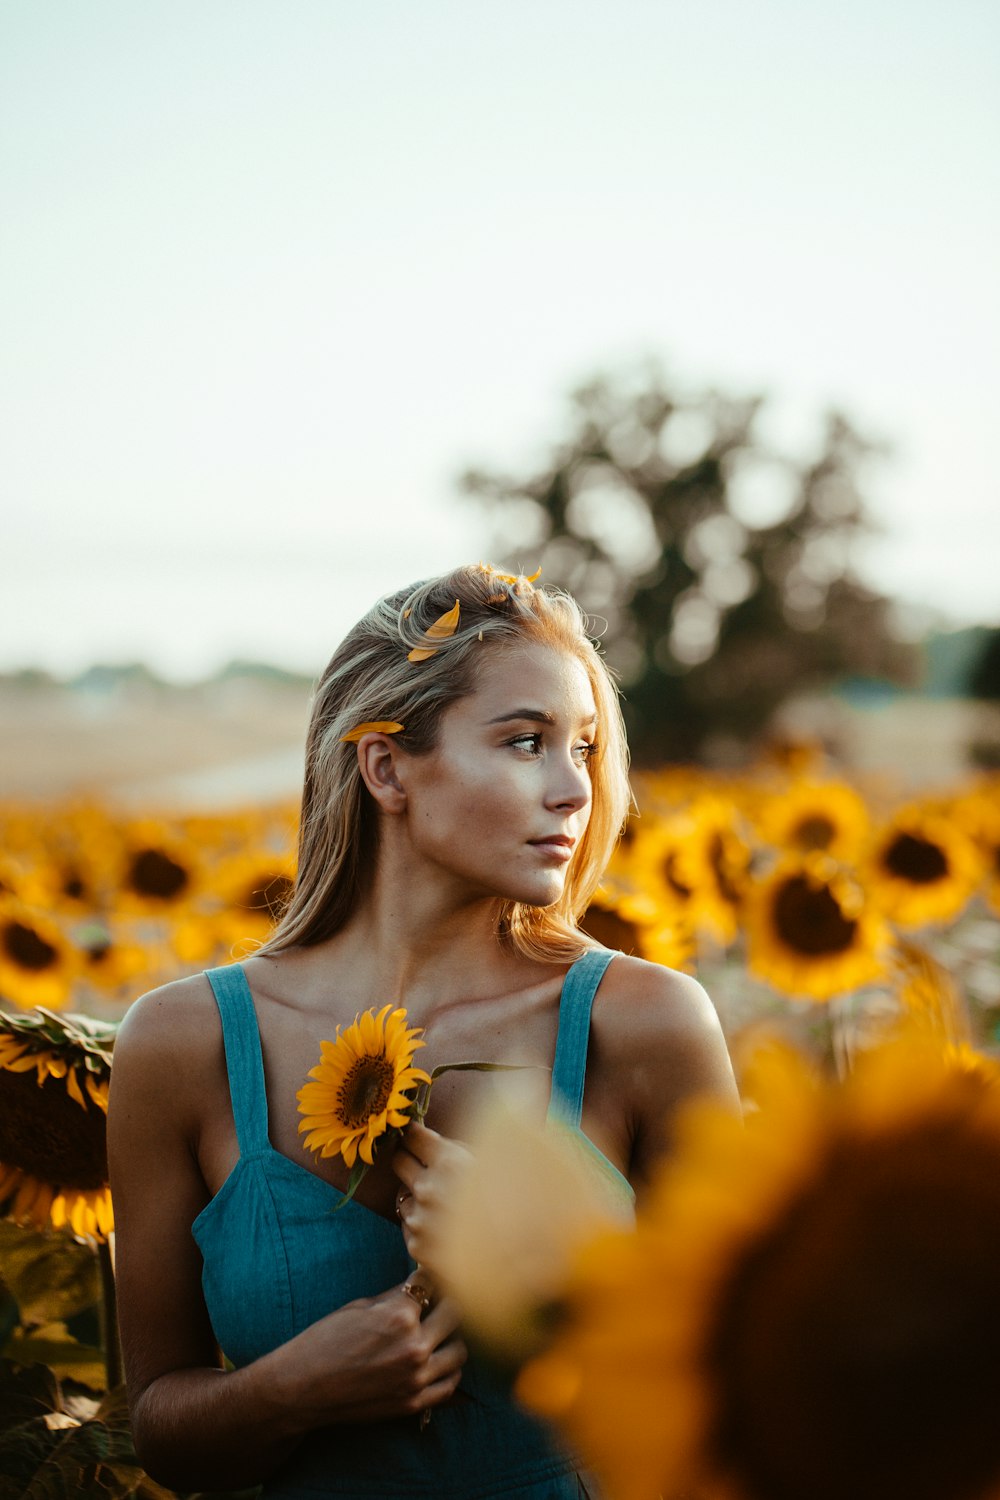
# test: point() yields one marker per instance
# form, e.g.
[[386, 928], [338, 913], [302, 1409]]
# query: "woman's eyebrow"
[[534, 716]]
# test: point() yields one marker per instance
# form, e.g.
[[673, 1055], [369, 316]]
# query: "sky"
[[272, 275]]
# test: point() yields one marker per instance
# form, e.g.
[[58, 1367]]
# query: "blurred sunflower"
[[695, 862], [37, 963], [928, 995], [54, 1073], [809, 1307], [248, 894], [922, 867], [111, 958], [810, 932], [159, 872], [978, 813], [811, 815], [634, 923]]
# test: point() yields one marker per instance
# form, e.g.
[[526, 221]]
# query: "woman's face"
[[504, 798]]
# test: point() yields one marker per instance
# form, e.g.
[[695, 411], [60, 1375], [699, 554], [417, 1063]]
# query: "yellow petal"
[[442, 628], [373, 726]]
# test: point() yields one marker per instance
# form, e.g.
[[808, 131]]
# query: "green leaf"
[[358, 1172], [58, 1446], [485, 1067], [50, 1275], [51, 1344]]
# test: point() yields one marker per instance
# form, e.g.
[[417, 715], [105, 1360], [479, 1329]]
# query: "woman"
[[442, 866]]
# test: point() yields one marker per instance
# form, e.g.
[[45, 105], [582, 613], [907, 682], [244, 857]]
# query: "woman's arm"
[[196, 1425], [656, 1043]]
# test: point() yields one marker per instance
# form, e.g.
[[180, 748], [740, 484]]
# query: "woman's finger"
[[442, 1320]]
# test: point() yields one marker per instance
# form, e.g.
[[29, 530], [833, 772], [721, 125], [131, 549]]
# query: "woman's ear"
[[379, 762]]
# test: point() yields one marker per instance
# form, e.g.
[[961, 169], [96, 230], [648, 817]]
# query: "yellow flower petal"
[[373, 726], [444, 626]]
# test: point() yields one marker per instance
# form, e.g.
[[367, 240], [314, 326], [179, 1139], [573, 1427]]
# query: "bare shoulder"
[[169, 1047], [658, 1035], [642, 1003]]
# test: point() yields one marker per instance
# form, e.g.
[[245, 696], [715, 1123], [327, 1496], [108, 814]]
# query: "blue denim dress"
[[275, 1259]]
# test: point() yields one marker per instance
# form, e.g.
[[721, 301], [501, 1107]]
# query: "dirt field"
[[241, 740]]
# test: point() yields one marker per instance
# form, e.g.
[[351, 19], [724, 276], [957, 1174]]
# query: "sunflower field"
[[824, 914]]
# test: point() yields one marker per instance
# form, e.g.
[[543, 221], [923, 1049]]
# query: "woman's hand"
[[380, 1357], [428, 1166]]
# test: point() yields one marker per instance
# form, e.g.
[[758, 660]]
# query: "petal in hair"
[[442, 628], [376, 726]]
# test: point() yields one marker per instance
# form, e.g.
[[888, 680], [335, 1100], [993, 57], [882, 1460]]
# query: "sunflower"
[[635, 924], [360, 1086], [54, 1073], [256, 890], [694, 862], [809, 1306], [928, 996], [111, 958], [37, 963], [922, 867], [978, 813], [810, 932], [158, 871], [828, 816]]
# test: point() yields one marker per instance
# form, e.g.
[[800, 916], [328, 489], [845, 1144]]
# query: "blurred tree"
[[984, 679], [724, 570]]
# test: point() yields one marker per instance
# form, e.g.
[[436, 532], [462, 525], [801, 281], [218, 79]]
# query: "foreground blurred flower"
[[923, 867], [509, 1231], [37, 963], [809, 1308], [54, 1073], [809, 931]]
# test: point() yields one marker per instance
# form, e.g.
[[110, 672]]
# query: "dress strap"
[[569, 1068], [244, 1060]]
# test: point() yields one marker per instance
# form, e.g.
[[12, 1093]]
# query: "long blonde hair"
[[370, 679]]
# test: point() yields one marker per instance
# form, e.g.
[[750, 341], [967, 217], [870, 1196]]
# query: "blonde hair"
[[370, 679]]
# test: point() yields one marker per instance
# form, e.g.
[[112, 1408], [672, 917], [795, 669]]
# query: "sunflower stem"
[[838, 1009], [109, 1316]]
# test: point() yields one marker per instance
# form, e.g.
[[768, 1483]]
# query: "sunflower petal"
[[443, 627], [372, 726]]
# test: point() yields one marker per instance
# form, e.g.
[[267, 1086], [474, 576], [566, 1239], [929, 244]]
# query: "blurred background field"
[[696, 310]]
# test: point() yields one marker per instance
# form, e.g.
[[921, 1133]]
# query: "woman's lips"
[[557, 848]]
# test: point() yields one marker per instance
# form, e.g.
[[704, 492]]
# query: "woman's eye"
[[532, 743], [586, 752]]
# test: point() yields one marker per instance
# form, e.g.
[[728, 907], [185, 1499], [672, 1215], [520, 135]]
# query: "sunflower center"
[[610, 929], [366, 1090], [74, 887], [809, 920], [813, 832], [672, 878], [832, 1341], [910, 857], [270, 895], [27, 948], [154, 873], [46, 1133], [724, 860]]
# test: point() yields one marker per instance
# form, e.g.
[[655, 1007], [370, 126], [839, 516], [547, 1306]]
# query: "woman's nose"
[[570, 787]]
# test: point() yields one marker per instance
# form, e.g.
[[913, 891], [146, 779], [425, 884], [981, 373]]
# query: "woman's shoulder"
[[647, 1017], [170, 1040], [634, 991]]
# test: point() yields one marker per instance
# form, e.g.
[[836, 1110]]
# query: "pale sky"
[[272, 274]]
